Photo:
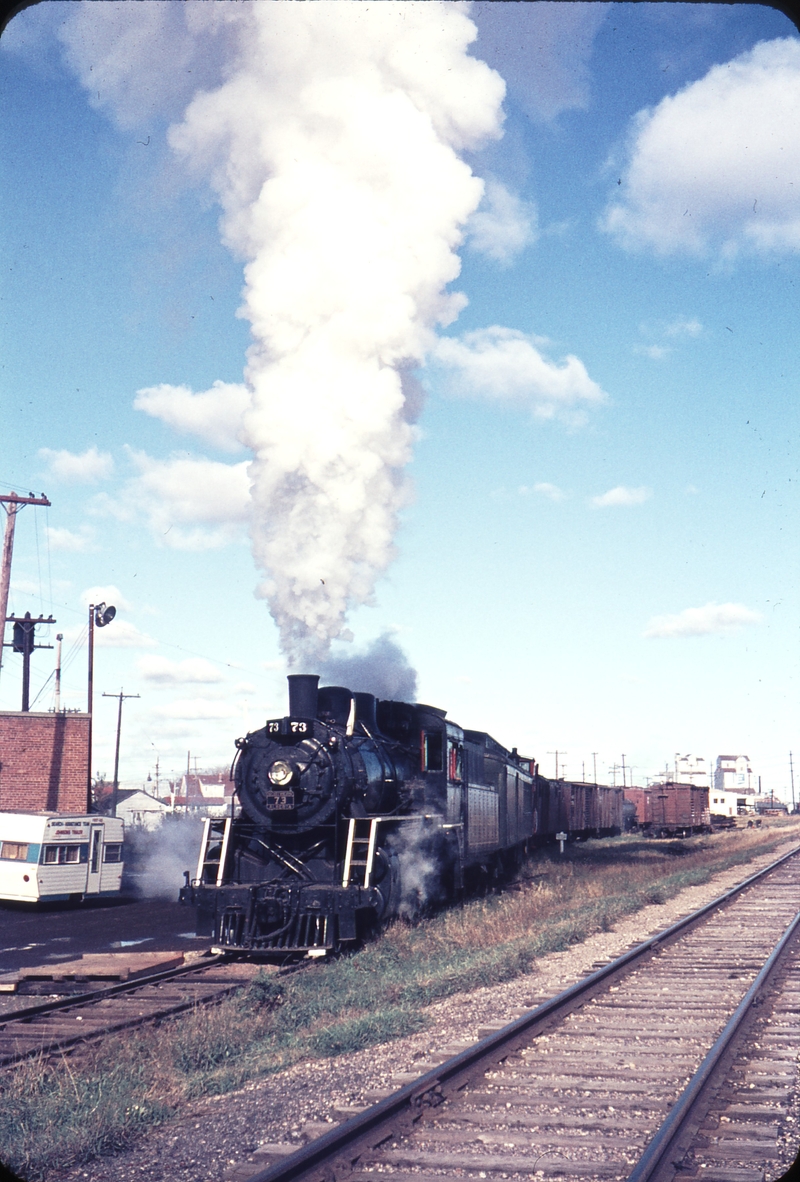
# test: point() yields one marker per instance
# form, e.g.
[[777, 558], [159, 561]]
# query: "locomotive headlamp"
[[280, 773]]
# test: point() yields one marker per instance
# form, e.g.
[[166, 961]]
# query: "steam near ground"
[[381, 669], [420, 868], [156, 859]]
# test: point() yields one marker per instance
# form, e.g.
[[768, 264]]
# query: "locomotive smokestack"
[[303, 695]]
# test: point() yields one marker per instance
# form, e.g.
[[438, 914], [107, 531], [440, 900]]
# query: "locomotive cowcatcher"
[[355, 810]]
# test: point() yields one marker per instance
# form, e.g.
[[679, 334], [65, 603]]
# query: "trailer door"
[[95, 859]]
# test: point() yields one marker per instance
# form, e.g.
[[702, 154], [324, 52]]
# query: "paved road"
[[32, 935]]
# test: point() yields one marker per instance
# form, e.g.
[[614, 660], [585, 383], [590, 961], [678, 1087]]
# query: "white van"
[[45, 857]]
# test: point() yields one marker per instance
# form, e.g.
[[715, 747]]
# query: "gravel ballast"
[[216, 1139]]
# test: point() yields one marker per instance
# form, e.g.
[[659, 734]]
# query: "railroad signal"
[[24, 635], [103, 615], [24, 642]]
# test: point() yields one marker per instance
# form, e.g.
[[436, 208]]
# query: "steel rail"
[[335, 1154], [673, 1140], [81, 1000], [78, 999]]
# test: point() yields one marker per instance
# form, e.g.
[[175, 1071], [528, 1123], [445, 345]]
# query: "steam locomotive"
[[355, 810]]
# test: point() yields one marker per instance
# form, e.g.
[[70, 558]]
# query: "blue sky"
[[229, 230]]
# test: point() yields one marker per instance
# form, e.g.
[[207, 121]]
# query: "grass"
[[63, 1112]]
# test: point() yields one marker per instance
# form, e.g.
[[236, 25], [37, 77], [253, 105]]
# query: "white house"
[[734, 774], [137, 807], [730, 804], [691, 769]]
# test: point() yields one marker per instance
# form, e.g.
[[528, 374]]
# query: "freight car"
[[670, 809], [355, 810]]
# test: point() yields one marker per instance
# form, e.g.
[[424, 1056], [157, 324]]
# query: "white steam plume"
[[333, 148]]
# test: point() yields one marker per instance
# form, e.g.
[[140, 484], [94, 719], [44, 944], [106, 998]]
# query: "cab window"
[[432, 753]]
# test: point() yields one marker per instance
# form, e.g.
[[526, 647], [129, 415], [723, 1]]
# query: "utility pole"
[[12, 505], [115, 789], [624, 785], [59, 638], [594, 764], [791, 773], [556, 753]]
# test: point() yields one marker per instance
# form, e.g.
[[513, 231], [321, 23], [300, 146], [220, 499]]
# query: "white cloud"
[[25, 587], [191, 503], [72, 543], [504, 365], [681, 327], [87, 468], [214, 415], [551, 491], [120, 633], [192, 709], [621, 495], [673, 330], [654, 352], [503, 225], [165, 672], [713, 619], [544, 489], [105, 594], [716, 166]]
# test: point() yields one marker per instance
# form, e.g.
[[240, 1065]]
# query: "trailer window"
[[14, 851], [112, 851], [432, 754], [60, 855]]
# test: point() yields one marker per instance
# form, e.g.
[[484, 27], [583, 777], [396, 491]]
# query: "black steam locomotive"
[[355, 810]]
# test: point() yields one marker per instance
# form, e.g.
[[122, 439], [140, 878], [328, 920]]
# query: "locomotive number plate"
[[279, 800]]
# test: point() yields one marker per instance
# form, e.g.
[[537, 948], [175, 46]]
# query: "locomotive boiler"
[[356, 810]]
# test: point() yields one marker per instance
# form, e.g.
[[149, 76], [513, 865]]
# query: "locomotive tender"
[[355, 810]]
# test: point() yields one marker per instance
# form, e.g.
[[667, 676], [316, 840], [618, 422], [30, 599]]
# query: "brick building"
[[44, 761]]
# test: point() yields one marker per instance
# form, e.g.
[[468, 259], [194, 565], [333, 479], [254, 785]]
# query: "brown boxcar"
[[670, 809]]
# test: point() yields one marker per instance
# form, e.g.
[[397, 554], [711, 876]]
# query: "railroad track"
[[642, 1071], [57, 1025]]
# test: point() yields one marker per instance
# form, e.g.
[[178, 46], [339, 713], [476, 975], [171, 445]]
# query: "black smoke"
[[381, 669]]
